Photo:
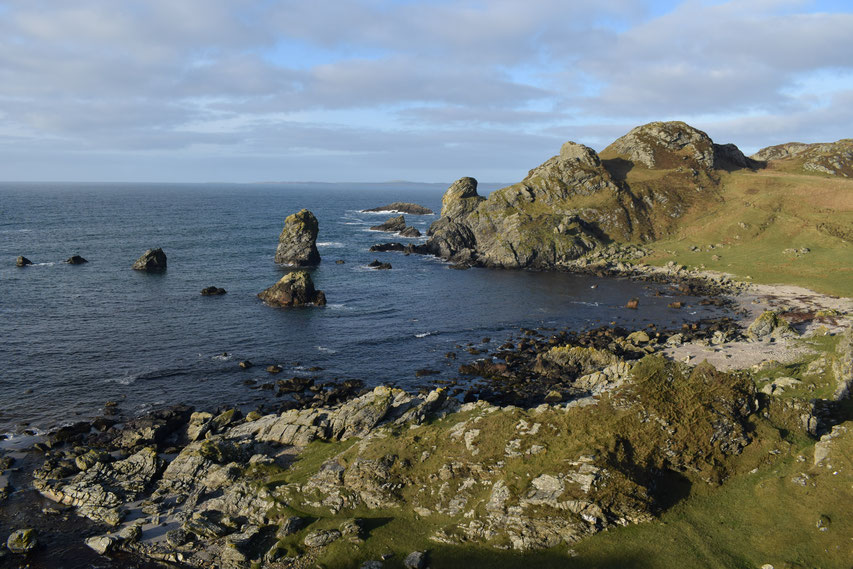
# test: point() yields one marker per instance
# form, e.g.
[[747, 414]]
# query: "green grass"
[[760, 215]]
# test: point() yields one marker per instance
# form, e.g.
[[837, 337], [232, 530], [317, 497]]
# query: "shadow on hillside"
[[459, 557], [618, 168]]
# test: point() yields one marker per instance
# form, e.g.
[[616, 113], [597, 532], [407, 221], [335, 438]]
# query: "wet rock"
[[245, 364], [101, 544], [212, 291], [22, 541], [297, 244], [634, 303], [293, 289], [376, 264], [76, 260], [152, 261], [22, 261], [394, 224], [274, 368]]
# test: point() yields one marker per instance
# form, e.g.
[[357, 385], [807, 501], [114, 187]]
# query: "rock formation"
[[213, 291], [22, 261], [76, 260], [393, 224], [293, 289], [832, 158], [297, 244], [152, 260], [579, 201], [401, 207]]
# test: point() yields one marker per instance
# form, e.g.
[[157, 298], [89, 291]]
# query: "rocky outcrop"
[[293, 289], [297, 244], [152, 261], [769, 325], [76, 260], [394, 224], [22, 261], [832, 158], [213, 291], [401, 207], [577, 202], [22, 541]]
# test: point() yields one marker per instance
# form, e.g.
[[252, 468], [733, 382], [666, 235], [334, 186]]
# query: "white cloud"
[[429, 85]]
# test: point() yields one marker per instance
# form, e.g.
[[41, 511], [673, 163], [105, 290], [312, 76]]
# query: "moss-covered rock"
[[293, 289], [297, 244]]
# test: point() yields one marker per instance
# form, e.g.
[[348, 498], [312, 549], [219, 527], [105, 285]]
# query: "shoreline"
[[161, 534]]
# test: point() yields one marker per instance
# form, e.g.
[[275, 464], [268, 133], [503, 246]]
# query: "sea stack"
[[293, 289], [152, 260], [297, 244]]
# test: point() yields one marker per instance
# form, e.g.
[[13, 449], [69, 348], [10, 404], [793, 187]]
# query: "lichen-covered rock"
[[22, 541], [769, 325], [152, 260], [293, 289], [297, 244], [22, 261], [831, 158]]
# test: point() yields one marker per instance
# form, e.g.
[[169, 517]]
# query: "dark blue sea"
[[74, 337]]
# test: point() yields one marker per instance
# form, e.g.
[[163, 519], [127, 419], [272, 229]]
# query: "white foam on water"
[[327, 350], [425, 334], [330, 244]]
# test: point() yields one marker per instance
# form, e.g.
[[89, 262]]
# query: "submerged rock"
[[76, 260], [293, 289], [377, 264], [22, 261], [152, 260], [297, 244]]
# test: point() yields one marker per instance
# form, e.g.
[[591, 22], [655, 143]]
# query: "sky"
[[421, 90]]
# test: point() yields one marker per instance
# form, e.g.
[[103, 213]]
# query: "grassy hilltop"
[[782, 216]]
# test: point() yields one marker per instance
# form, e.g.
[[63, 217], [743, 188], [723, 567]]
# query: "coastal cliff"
[[667, 191]]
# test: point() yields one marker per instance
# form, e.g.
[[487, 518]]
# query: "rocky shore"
[[564, 434]]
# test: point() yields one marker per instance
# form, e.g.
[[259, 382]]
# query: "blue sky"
[[373, 90]]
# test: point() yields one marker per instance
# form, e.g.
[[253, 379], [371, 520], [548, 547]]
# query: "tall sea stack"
[[297, 244]]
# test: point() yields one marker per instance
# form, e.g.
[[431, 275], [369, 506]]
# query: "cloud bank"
[[369, 90]]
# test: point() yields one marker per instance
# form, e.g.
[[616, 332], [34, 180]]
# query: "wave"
[[425, 334], [330, 244], [584, 303], [223, 357], [327, 350]]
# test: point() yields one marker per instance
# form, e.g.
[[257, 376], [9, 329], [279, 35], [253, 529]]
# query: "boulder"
[[401, 207], [76, 260], [152, 260], [321, 538], [101, 544], [22, 541], [297, 244], [769, 325], [410, 232], [22, 261], [394, 224], [377, 264], [212, 291], [416, 560], [293, 289]]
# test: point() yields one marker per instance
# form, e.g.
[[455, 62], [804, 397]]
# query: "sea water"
[[73, 337]]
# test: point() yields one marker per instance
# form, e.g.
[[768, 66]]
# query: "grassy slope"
[[762, 214], [759, 515]]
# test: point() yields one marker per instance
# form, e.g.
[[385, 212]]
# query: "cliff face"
[[832, 158], [578, 201]]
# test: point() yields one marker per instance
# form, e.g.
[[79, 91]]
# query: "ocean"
[[73, 337]]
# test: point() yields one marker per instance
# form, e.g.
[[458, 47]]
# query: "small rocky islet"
[[545, 440]]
